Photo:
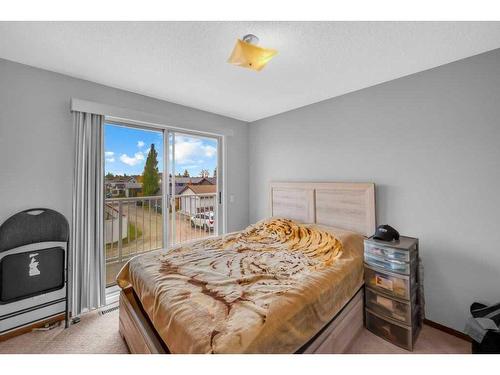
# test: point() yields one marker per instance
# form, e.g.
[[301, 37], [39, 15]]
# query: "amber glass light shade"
[[250, 56]]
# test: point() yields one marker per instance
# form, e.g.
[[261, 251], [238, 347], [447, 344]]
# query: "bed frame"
[[349, 206]]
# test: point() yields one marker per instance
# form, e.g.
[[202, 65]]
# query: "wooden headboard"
[[349, 206]]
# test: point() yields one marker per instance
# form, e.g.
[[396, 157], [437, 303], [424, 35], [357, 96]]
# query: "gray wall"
[[431, 144], [36, 138], [430, 141]]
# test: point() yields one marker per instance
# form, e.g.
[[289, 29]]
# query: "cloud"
[[132, 160], [140, 144], [210, 151], [109, 156], [192, 150]]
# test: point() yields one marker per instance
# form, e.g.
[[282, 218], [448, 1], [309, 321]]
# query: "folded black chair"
[[491, 341]]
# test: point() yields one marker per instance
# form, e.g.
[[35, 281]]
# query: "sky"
[[126, 150]]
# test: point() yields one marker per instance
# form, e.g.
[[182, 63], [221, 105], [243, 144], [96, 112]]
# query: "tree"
[[215, 172], [186, 173], [204, 173], [110, 175], [150, 175]]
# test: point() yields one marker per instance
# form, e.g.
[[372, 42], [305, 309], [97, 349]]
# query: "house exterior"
[[181, 182], [122, 186], [112, 224], [194, 199], [131, 186]]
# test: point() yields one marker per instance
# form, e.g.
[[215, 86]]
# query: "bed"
[[288, 284]]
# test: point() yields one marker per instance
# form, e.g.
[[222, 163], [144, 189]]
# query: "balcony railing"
[[193, 218], [134, 226]]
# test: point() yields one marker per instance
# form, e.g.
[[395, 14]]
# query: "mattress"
[[267, 289]]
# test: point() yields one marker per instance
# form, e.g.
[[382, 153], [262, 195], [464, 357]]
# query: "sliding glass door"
[[134, 196], [195, 187], [162, 188]]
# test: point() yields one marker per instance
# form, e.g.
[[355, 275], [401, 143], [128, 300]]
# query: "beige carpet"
[[99, 334], [429, 341], [94, 334]]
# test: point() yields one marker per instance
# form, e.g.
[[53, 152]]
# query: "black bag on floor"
[[491, 341]]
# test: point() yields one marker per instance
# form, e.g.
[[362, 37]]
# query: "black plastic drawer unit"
[[393, 298]]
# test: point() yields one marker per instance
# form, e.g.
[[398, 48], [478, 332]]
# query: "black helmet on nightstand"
[[386, 233]]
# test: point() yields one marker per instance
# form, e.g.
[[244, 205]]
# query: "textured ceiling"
[[185, 62]]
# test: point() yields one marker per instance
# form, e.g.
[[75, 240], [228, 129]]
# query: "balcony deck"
[[139, 223]]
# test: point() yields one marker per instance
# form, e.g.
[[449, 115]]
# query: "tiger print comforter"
[[266, 289]]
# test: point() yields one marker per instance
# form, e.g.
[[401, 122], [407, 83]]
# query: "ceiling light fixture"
[[247, 54]]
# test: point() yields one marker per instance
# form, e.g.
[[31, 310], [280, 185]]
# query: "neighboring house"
[[122, 186], [197, 198], [133, 189], [112, 224], [182, 182], [131, 186]]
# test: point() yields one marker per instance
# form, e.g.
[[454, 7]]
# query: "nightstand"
[[393, 309]]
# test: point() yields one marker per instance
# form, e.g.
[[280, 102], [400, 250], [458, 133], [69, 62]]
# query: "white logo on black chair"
[[33, 266]]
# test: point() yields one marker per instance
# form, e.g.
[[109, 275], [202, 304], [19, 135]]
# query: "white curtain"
[[87, 265]]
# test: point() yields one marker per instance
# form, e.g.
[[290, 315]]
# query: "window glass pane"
[[133, 221], [193, 166]]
